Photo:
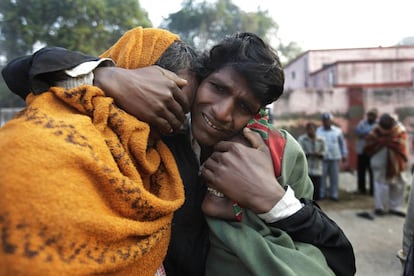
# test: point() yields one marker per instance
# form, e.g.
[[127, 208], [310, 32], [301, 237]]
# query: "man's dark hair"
[[386, 121], [310, 124], [252, 58], [179, 56]]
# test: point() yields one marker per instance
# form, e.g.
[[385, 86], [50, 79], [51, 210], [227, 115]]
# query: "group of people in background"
[[363, 162], [382, 153], [325, 147]]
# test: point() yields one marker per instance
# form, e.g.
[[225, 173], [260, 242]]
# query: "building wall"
[[348, 105], [297, 74], [348, 82], [311, 101], [325, 78], [319, 58], [314, 60], [365, 73]]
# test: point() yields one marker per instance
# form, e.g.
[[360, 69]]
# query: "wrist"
[[82, 74], [100, 74], [287, 206], [266, 204], [105, 78]]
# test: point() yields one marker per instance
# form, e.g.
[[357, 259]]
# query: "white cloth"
[[388, 193], [83, 73], [286, 207]]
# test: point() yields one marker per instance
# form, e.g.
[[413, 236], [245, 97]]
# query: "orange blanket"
[[81, 191]]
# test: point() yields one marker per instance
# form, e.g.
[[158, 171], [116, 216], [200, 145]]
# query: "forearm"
[[113, 82]]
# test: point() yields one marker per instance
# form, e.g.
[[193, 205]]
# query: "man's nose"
[[224, 111]]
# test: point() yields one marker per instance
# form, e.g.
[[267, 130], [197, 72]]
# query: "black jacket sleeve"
[[311, 225], [36, 73]]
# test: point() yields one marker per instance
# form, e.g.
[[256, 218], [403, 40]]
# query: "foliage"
[[203, 23], [87, 26], [289, 51], [91, 26]]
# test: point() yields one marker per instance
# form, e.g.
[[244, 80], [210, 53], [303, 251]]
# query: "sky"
[[322, 24]]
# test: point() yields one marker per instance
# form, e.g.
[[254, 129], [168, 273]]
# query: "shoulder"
[[361, 124], [336, 129], [302, 137]]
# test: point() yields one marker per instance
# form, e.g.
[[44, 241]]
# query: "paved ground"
[[375, 241]]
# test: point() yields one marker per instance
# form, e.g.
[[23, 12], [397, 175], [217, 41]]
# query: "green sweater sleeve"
[[295, 168]]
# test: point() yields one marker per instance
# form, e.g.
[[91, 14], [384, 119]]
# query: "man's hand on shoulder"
[[151, 94]]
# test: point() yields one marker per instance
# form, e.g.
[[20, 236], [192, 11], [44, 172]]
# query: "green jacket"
[[252, 247]]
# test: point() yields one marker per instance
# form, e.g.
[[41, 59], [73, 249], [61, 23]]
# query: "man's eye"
[[217, 87], [246, 108]]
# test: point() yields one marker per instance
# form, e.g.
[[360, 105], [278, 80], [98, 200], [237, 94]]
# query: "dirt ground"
[[348, 201], [376, 240]]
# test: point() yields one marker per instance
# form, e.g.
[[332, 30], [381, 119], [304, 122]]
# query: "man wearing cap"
[[363, 163], [335, 151]]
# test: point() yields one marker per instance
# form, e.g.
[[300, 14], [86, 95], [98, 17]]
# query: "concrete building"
[[348, 82], [362, 67]]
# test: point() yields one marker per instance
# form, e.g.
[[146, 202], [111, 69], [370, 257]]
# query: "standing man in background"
[[335, 151], [386, 143], [363, 163], [314, 148]]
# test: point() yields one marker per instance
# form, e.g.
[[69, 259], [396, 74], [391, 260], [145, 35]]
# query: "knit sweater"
[[83, 190]]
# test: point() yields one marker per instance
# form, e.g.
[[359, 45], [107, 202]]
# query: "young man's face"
[[310, 130], [371, 118], [223, 105], [326, 123]]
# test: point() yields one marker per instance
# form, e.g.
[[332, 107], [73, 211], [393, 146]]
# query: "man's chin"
[[206, 141]]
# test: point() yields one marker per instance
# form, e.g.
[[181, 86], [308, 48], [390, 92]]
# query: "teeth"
[[210, 123], [215, 192]]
